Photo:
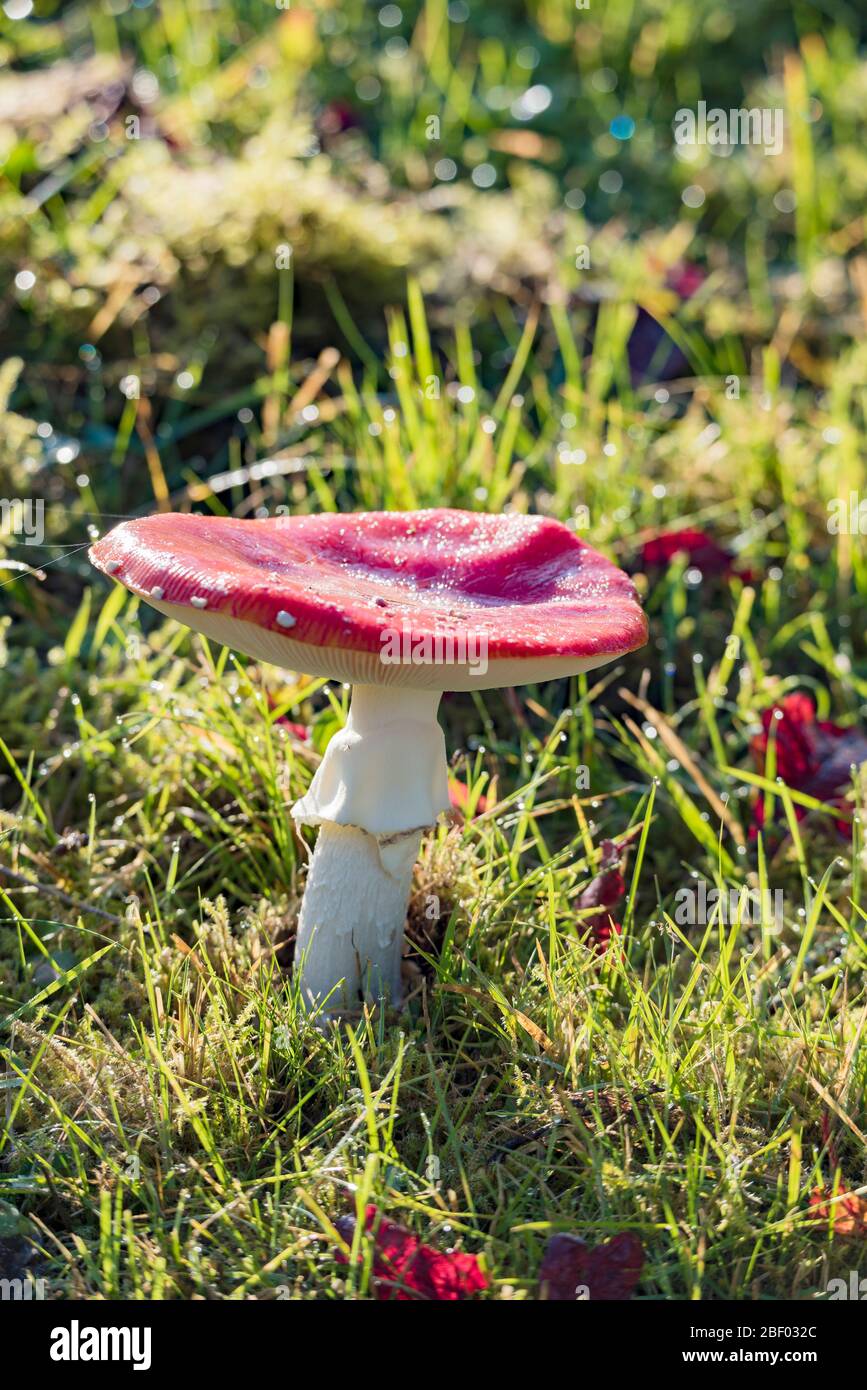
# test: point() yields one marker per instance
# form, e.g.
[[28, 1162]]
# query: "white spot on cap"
[[156, 592], [285, 619], [112, 567], [199, 602]]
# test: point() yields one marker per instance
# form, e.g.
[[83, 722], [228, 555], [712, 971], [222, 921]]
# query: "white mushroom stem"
[[382, 782], [350, 931]]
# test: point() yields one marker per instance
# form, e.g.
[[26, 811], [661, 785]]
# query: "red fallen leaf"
[[336, 118], [299, 731], [603, 892], [812, 756], [685, 279], [405, 1269], [705, 553], [610, 1271], [459, 795], [847, 1215]]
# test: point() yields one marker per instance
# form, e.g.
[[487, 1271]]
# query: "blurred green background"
[[158, 157]]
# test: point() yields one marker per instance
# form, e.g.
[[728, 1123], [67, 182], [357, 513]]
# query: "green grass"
[[178, 1127], [174, 1125]]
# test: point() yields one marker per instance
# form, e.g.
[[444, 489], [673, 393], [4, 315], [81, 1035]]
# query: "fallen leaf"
[[705, 553], [299, 731], [844, 1212], [597, 927], [572, 1269], [404, 1268], [812, 756], [459, 795]]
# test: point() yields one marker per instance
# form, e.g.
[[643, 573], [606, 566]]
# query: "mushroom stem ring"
[[402, 605], [382, 783]]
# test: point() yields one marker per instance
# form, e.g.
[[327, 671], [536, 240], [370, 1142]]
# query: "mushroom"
[[402, 605]]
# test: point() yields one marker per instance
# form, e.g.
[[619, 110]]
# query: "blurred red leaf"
[[299, 731], [812, 756], [704, 552], [459, 795], [602, 893], [609, 1272], [336, 118], [685, 279], [405, 1269], [847, 1215]]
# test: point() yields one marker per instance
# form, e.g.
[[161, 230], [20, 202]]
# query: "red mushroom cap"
[[323, 594]]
